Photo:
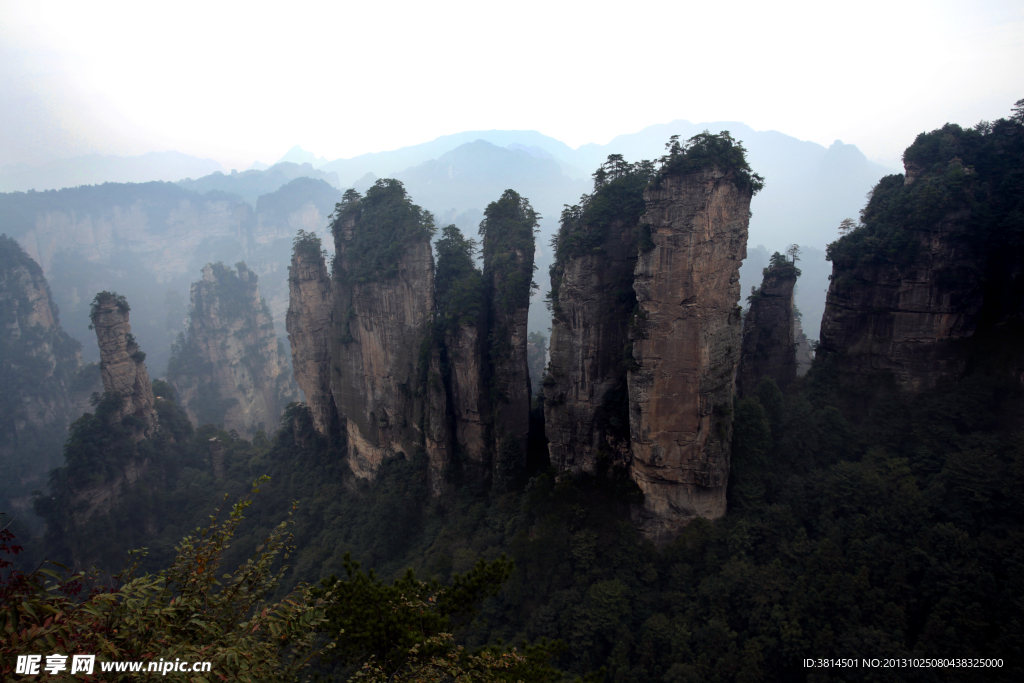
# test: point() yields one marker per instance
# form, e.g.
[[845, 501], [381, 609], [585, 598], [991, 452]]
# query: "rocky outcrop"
[[231, 367], [309, 329], [686, 343], [769, 330], [804, 350], [468, 397], [929, 287], [436, 424], [383, 307], [898, 324], [508, 247], [38, 365], [585, 401], [122, 365]]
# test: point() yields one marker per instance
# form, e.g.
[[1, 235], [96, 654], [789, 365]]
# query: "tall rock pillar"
[[687, 333], [122, 365], [310, 302], [585, 401], [383, 308], [769, 333], [508, 246], [231, 369]]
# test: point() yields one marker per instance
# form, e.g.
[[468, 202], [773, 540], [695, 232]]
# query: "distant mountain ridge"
[[96, 169]]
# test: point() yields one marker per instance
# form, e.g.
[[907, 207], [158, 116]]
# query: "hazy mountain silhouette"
[[475, 174], [389, 164], [251, 184], [297, 155], [95, 169]]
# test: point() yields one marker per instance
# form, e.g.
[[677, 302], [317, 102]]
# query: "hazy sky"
[[245, 81]]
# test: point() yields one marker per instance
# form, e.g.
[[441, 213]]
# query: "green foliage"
[[508, 230], [618, 197], [971, 176], [188, 611], [105, 298], [386, 223], [400, 627], [458, 283], [308, 245], [707, 150], [38, 366]]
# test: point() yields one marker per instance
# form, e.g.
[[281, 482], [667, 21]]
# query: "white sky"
[[239, 82]]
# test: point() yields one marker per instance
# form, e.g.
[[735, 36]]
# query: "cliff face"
[[588, 337], [804, 351], [508, 248], [592, 298], [309, 329], [899, 323], [930, 287], [122, 365], [383, 307], [686, 344], [468, 396], [769, 333], [38, 364], [231, 368]]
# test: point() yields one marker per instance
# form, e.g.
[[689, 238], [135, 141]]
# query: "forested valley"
[[448, 519]]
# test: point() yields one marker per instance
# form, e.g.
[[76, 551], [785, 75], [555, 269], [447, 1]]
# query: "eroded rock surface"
[[587, 373], [309, 332], [508, 248], [468, 396], [686, 344], [380, 321], [769, 331], [122, 363], [231, 368]]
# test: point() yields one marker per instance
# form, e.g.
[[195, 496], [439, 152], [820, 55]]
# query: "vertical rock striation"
[[231, 368], [383, 308], [804, 350], [459, 300], [310, 305], [930, 286], [122, 364], [468, 396], [508, 248], [769, 331], [687, 333], [38, 368], [585, 406]]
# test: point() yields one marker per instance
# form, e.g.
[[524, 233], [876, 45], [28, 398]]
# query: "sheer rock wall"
[[588, 336], [309, 333], [122, 363], [686, 344], [378, 330], [236, 372], [769, 333]]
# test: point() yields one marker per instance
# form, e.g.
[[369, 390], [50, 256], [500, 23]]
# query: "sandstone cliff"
[[468, 397], [686, 336], [383, 307], [508, 248], [769, 330], [122, 365], [231, 367], [929, 286], [459, 331], [309, 329], [592, 296], [38, 364]]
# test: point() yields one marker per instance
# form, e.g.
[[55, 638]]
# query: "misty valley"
[[494, 409]]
